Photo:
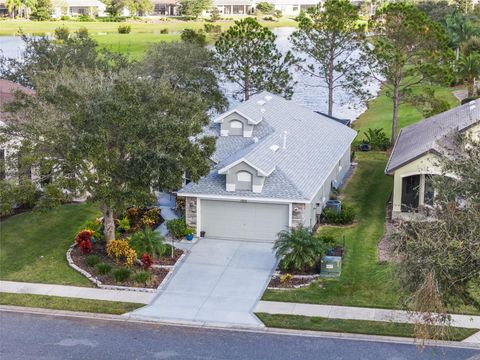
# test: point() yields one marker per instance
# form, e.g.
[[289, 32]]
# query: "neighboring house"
[[7, 149], [414, 159], [165, 7], [234, 7], [274, 167], [78, 8], [245, 7]]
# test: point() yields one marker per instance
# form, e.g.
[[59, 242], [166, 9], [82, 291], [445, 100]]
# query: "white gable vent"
[[261, 102], [472, 107], [268, 98], [274, 148]]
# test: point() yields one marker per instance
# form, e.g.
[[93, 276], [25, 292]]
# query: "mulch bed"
[[156, 274], [312, 271], [168, 260], [289, 283]]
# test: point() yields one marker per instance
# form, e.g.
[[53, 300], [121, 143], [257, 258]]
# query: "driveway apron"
[[219, 282]]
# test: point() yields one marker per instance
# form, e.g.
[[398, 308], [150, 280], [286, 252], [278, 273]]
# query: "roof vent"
[[261, 102], [268, 98], [262, 110], [274, 148], [255, 139], [472, 107], [473, 102]]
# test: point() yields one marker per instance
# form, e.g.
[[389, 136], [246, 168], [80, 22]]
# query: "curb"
[[225, 327]]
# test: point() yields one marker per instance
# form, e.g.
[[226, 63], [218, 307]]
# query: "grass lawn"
[[11, 27], [352, 326], [63, 303], [33, 245], [364, 282], [379, 113]]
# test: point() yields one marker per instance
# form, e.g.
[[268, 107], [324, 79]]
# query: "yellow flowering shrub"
[[121, 249]]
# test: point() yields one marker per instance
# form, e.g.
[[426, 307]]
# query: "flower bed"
[[137, 258], [289, 281]]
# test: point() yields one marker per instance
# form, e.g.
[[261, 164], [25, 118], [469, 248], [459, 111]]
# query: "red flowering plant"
[[84, 240], [147, 261]]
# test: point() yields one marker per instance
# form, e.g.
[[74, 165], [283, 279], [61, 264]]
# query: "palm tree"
[[28, 6], [298, 248], [13, 6], [468, 69], [460, 29]]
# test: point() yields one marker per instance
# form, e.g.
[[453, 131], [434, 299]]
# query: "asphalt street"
[[27, 336]]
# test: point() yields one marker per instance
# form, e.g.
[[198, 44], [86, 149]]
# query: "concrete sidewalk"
[[76, 292]]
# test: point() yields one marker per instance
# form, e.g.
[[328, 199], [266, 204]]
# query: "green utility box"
[[331, 266]]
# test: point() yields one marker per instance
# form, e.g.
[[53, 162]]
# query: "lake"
[[308, 91]]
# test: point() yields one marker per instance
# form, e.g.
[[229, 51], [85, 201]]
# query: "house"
[[414, 159], [274, 167], [8, 149], [165, 7], [78, 8]]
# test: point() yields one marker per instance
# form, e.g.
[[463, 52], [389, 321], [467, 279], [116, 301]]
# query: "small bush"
[[51, 198], [377, 139], [210, 28], [7, 198], [120, 249], [344, 217], [121, 274], [84, 241], [85, 18], [103, 268], [164, 31], [61, 33], [124, 29], [142, 277], [146, 260], [26, 194], [194, 37], [148, 241], [177, 228], [64, 17], [92, 260]]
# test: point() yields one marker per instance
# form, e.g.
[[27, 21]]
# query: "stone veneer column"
[[191, 212], [298, 214]]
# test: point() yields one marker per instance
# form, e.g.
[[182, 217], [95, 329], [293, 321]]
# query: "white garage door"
[[236, 220]]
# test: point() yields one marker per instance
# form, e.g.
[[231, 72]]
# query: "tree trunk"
[[330, 83], [246, 90], [108, 223], [396, 104], [471, 88]]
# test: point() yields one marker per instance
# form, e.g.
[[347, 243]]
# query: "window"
[[236, 127], [244, 176]]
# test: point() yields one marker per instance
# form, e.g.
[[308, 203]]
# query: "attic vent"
[[268, 98], [274, 148], [261, 102]]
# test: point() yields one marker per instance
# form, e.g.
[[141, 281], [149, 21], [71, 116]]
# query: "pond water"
[[308, 91]]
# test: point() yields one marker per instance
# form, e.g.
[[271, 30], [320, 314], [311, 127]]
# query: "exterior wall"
[[225, 125], [231, 177], [317, 204], [427, 164], [191, 212]]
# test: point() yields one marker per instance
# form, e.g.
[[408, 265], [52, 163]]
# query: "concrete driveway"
[[219, 282]]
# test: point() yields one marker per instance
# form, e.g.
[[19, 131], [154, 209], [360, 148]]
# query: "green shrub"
[[64, 17], [51, 198], [376, 138], [210, 28], [103, 268], [142, 277], [124, 29], [7, 197], [344, 217], [177, 228], [26, 194], [164, 31], [85, 18], [194, 37], [298, 249], [121, 274], [148, 241], [92, 260], [61, 33]]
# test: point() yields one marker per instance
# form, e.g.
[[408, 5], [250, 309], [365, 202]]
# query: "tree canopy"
[[409, 49], [248, 56], [194, 8], [333, 42]]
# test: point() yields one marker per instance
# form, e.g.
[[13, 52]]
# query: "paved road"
[[24, 336]]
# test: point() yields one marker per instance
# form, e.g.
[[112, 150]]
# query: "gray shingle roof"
[[420, 138], [314, 146]]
